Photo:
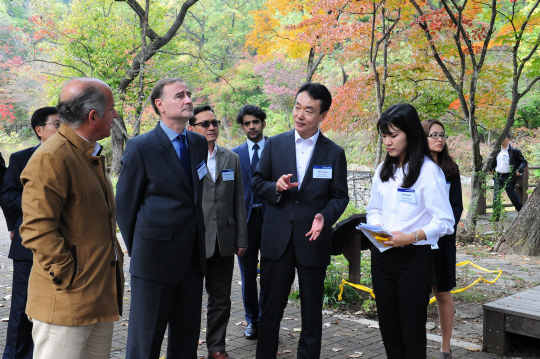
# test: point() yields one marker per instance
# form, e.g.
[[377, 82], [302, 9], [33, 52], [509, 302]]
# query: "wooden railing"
[[521, 190]]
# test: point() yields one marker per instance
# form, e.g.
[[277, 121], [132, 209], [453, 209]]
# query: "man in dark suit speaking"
[[159, 212], [303, 176], [45, 123]]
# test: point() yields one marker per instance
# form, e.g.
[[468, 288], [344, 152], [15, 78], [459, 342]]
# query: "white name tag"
[[201, 170], [322, 172], [406, 195], [228, 175]]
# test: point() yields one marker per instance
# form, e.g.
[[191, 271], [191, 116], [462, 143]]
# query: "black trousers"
[[402, 280], [248, 268], [19, 344], [154, 305], [219, 273], [276, 280], [502, 182]]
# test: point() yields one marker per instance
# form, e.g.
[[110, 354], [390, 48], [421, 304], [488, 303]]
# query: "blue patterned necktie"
[[184, 157]]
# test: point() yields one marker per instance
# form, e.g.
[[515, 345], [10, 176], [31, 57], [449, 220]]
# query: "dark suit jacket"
[[159, 214], [291, 213], [223, 207], [243, 152], [11, 202], [445, 256], [517, 162]]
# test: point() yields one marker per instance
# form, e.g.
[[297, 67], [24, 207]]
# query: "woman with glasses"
[[445, 256], [410, 199]]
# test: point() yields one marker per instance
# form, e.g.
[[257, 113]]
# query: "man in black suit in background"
[[45, 123], [159, 212], [252, 120], [303, 176]]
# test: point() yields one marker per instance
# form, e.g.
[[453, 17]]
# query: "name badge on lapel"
[[201, 170], [406, 195], [324, 172], [228, 175]]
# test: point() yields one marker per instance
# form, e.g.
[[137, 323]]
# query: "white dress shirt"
[[503, 161], [304, 150], [250, 145], [211, 163], [97, 146], [432, 211]]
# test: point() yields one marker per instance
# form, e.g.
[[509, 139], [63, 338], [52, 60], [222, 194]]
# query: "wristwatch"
[[415, 237]]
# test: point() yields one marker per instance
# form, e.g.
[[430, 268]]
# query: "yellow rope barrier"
[[370, 291]]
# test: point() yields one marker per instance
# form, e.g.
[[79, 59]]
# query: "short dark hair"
[[198, 110], [252, 110], [403, 116], [317, 92], [75, 109], [40, 116], [509, 135], [157, 91]]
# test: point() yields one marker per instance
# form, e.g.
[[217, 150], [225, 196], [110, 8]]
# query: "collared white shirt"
[[97, 146], [304, 150], [431, 212], [211, 163], [250, 145], [503, 161]]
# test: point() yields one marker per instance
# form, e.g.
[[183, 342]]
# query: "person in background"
[[303, 176], [252, 120], [45, 123], [76, 285], [409, 198], [225, 225], [445, 256], [507, 167], [19, 345]]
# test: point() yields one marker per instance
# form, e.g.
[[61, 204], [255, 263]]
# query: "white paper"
[[370, 231]]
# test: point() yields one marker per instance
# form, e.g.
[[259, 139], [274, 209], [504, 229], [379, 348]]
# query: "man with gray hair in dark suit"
[[159, 206]]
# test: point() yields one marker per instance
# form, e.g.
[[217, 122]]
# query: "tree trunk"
[[117, 141], [523, 235]]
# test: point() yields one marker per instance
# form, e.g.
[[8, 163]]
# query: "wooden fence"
[[521, 190]]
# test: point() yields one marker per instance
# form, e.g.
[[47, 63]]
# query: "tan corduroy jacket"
[[69, 223]]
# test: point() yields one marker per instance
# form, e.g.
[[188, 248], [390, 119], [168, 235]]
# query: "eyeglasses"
[[55, 124], [436, 136], [206, 124]]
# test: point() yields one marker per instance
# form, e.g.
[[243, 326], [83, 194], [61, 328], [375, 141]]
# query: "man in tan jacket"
[[77, 282]]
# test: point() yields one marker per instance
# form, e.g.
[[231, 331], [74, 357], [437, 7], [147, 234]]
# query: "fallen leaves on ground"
[[356, 355]]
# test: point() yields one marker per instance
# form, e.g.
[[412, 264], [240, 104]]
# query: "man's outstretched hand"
[[316, 227]]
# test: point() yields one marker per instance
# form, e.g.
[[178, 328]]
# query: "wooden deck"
[[518, 313]]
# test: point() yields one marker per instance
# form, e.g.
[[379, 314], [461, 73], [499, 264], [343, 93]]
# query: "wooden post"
[[523, 185]]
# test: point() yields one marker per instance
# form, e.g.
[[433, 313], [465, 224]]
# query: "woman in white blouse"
[[409, 197]]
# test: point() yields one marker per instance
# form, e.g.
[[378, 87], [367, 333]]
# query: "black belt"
[[257, 210]]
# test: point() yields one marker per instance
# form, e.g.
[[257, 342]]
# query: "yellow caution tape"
[[370, 291]]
